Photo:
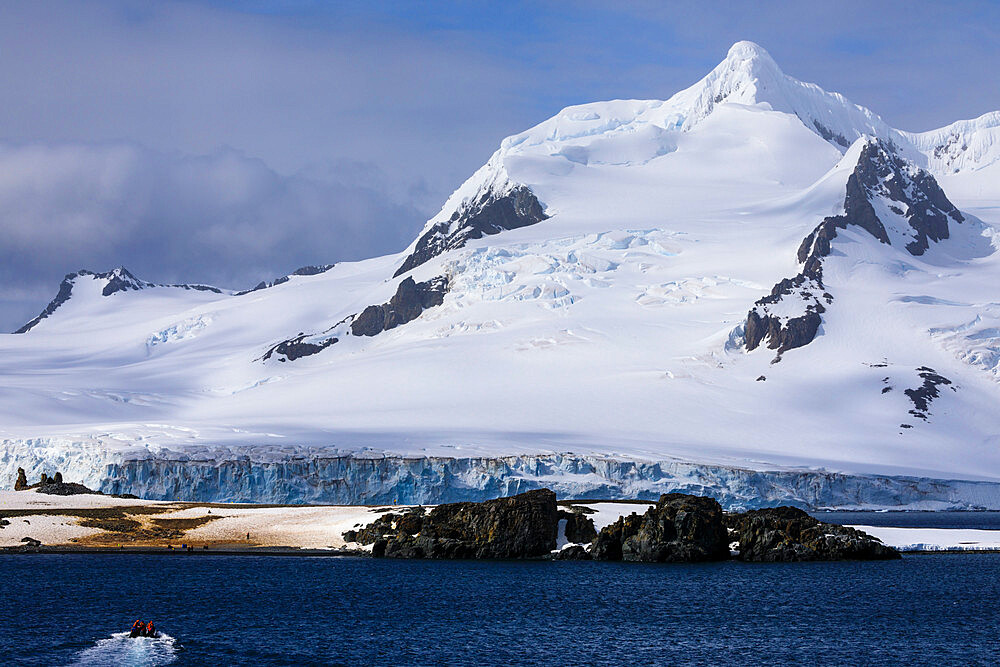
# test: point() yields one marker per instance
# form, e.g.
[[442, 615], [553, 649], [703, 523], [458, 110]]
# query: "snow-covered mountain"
[[754, 288]]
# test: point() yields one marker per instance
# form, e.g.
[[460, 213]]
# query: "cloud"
[[221, 218]]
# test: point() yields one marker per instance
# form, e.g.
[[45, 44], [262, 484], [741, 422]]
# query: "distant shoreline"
[[37, 523], [328, 553]]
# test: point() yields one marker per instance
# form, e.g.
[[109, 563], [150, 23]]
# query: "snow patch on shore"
[[935, 539]]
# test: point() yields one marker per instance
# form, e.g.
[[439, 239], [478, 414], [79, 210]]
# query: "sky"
[[227, 142]]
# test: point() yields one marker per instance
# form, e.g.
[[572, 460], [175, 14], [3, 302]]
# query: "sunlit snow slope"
[[755, 289]]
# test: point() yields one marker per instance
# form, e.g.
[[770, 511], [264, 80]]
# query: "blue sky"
[[225, 142]]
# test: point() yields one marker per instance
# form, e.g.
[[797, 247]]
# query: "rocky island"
[[679, 528]]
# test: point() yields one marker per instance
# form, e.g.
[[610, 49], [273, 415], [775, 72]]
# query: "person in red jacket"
[[150, 630]]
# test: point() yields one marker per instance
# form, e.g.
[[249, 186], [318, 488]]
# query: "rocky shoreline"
[[679, 528]]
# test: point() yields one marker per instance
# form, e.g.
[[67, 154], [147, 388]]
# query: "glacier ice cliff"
[[236, 474]]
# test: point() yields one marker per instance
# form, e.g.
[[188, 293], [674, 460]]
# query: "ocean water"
[[260, 610], [967, 520]]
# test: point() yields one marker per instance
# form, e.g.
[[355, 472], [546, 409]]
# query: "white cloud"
[[222, 218]]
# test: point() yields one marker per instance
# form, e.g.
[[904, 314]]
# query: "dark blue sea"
[[270, 610]]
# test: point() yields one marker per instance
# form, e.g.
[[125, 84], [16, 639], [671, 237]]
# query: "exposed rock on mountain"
[[118, 280], [678, 529], [296, 348], [303, 271], [784, 534], [490, 213], [963, 146], [926, 392], [919, 212], [411, 299]]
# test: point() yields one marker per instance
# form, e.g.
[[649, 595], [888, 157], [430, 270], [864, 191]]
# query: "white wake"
[[120, 649]]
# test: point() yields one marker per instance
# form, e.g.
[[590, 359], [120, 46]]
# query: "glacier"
[[241, 475]]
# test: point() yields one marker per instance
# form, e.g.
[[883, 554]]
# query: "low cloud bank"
[[223, 219]]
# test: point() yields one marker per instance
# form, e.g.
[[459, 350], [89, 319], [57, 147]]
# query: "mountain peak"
[[750, 53], [750, 76], [109, 282]]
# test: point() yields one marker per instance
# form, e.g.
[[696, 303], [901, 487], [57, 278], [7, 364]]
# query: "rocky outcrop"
[[787, 333], [784, 534], [491, 212], [118, 280], [65, 489], [572, 552], [579, 527], [296, 348], [522, 526], [409, 301], [880, 174], [678, 529], [303, 271], [922, 396], [388, 525], [54, 486]]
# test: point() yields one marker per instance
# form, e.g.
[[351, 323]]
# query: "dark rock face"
[[409, 301], [575, 552], [678, 529], [389, 524], [795, 331], [119, 280], [53, 486], [522, 526], [784, 534], [296, 348], [303, 271], [65, 489], [880, 172], [65, 292], [489, 214], [830, 135], [922, 396], [579, 527], [608, 544]]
